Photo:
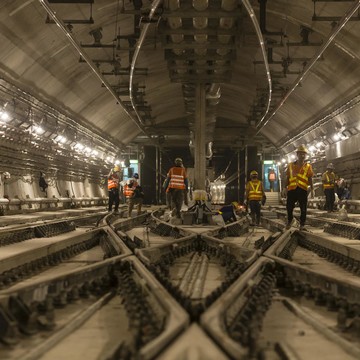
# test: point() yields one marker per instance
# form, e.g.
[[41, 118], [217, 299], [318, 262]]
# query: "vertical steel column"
[[200, 123], [157, 174], [238, 175], [160, 177], [246, 166]]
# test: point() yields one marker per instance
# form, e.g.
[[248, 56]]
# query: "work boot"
[[303, 228]]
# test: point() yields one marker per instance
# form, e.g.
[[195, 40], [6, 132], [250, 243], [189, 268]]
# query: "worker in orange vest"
[[298, 178], [177, 183], [113, 183], [255, 197], [130, 186], [329, 180]]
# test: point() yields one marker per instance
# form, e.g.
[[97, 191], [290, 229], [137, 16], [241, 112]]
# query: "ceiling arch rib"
[[347, 16], [94, 65], [212, 43]]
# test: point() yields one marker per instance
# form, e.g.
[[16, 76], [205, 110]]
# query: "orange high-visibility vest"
[[113, 182], [177, 177], [300, 180], [255, 190], [129, 191], [327, 184]]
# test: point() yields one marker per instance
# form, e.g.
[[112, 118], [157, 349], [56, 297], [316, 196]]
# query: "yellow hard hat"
[[330, 166], [235, 204], [302, 148], [254, 173], [116, 168], [178, 160]]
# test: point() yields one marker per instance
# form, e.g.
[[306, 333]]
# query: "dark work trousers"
[[177, 198], [114, 198], [255, 211], [272, 187], [293, 196], [330, 199], [168, 200]]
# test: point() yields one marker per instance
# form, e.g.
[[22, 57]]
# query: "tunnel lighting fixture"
[[39, 130], [95, 153], [283, 160], [61, 139], [88, 150], [117, 162], [319, 144], [292, 156], [4, 115], [312, 148], [79, 146]]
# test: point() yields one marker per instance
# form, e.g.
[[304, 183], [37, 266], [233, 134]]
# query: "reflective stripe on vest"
[[301, 180], [177, 177], [327, 185], [255, 193], [112, 184], [129, 191]]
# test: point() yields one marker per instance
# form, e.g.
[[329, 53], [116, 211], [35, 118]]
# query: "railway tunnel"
[[230, 87]]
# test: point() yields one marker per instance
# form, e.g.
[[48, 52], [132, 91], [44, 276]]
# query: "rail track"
[[105, 286]]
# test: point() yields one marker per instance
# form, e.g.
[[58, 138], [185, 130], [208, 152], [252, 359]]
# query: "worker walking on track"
[[113, 182], [177, 183], [329, 180], [298, 179], [255, 197]]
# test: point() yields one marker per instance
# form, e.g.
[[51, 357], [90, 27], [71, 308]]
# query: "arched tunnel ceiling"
[[212, 44]]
